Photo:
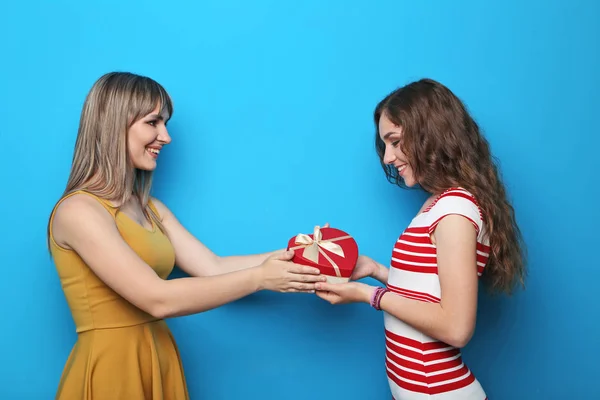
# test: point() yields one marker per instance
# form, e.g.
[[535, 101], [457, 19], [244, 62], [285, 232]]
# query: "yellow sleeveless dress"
[[122, 352]]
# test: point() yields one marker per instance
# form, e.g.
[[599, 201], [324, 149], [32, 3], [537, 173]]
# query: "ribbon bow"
[[315, 245]]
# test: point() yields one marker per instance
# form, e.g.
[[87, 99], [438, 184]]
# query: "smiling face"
[[145, 139], [392, 136]]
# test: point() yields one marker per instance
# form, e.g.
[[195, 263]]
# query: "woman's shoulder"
[[72, 211], [159, 208], [457, 201]]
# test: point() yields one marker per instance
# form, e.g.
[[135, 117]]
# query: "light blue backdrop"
[[273, 134]]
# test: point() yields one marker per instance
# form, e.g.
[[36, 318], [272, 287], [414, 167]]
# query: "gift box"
[[331, 250]]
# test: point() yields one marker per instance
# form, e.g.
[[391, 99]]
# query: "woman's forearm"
[[186, 296], [430, 318], [237, 263]]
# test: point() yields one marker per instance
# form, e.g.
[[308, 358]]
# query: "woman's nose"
[[389, 156]]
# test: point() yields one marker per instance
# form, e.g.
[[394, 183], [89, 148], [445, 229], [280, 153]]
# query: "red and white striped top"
[[418, 366]]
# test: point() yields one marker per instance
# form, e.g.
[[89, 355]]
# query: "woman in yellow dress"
[[114, 246]]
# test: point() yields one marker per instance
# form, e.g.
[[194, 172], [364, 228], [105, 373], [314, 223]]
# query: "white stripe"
[[432, 384], [415, 282], [433, 265], [403, 357], [416, 244], [445, 371], [439, 350], [443, 360], [416, 234], [473, 391], [481, 253], [414, 371], [425, 363], [411, 253], [427, 374], [424, 352], [460, 378], [406, 380]]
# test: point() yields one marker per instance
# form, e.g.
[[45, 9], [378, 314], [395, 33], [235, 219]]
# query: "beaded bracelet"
[[376, 297]]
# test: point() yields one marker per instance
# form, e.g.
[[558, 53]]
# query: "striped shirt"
[[418, 366]]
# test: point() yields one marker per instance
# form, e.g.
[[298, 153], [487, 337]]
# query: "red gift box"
[[331, 250]]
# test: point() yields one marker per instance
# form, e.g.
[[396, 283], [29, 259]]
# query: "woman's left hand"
[[343, 293]]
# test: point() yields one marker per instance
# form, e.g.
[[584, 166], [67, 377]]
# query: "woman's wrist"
[[370, 292], [381, 273], [376, 296]]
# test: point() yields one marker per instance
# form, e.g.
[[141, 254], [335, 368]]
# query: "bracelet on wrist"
[[376, 297]]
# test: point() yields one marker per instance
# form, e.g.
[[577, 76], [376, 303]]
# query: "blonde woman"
[[114, 246]]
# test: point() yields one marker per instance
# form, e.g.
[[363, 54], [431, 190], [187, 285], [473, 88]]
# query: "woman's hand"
[[278, 274], [343, 293], [365, 266]]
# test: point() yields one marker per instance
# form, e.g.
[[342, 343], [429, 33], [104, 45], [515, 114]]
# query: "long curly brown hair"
[[445, 149]]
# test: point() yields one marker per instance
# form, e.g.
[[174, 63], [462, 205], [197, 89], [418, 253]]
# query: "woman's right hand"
[[365, 267], [278, 274]]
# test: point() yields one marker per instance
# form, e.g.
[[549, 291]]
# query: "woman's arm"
[[366, 266], [452, 320], [193, 257], [381, 273], [83, 225]]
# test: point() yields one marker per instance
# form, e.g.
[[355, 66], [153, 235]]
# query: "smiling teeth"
[[155, 151], [400, 169]]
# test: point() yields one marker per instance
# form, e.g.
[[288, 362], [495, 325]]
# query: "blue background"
[[270, 94]]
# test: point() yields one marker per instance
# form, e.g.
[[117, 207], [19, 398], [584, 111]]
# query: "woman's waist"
[[421, 353], [105, 316]]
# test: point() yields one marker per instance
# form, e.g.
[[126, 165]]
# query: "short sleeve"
[[456, 202]]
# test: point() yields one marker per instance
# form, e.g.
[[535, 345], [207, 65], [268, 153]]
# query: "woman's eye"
[[153, 123], [396, 143]]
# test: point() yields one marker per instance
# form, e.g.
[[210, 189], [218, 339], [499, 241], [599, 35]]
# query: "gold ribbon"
[[315, 245]]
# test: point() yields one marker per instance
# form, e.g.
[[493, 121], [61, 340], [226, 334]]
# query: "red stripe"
[[418, 346], [431, 390], [482, 259], [428, 369], [484, 248], [426, 251], [414, 268], [452, 192], [414, 294], [459, 194], [425, 258], [448, 375], [416, 229], [427, 380], [422, 359], [436, 345], [414, 239]]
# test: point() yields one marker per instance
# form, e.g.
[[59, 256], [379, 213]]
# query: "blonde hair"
[[101, 163]]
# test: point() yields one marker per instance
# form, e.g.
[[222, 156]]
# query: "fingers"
[[302, 287], [308, 278], [294, 290], [328, 296], [303, 269], [326, 225], [283, 256], [327, 287]]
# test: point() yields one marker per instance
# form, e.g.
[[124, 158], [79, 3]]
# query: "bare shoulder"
[[76, 214], [453, 230], [163, 210]]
